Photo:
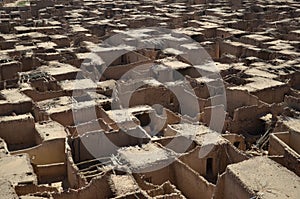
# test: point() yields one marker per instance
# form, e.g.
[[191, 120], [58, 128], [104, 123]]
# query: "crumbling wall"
[[19, 133], [247, 119], [49, 152], [163, 97], [284, 149], [117, 72], [191, 184], [138, 194], [18, 108], [50, 173], [233, 155], [74, 179], [292, 102], [100, 144], [144, 185], [276, 143], [273, 94], [179, 144], [218, 113], [22, 190], [229, 187], [48, 159], [239, 98], [194, 161], [83, 128], [220, 155], [10, 70], [40, 96], [159, 175], [97, 188], [65, 118], [237, 140]]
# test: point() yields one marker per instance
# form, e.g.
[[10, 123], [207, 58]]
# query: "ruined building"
[[167, 99]]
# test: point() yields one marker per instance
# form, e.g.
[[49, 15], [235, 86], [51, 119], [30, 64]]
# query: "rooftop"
[[145, 157], [266, 178], [17, 169]]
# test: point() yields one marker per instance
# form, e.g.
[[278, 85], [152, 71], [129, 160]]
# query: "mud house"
[[96, 103]]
